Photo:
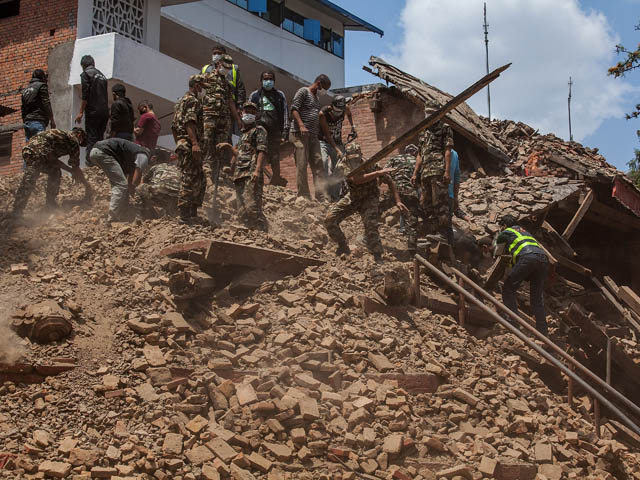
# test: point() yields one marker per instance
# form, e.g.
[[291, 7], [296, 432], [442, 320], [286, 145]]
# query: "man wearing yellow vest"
[[529, 263], [233, 75]]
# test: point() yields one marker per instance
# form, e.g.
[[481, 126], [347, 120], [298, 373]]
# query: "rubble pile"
[[271, 376], [538, 155]]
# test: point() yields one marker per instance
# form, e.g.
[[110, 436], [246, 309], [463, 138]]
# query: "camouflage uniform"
[[40, 156], [362, 199], [404, 165], [216, 115], [160, 190], [193, 184], [434, 142], [249, 192]]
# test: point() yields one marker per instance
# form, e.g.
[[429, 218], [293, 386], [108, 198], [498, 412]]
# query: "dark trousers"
[[95, 127], [532, 267], [125, 135]]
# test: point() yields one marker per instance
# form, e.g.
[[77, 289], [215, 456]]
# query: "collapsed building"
[[193, 353]]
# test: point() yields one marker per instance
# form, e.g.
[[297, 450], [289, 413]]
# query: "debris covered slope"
[[192, 362]]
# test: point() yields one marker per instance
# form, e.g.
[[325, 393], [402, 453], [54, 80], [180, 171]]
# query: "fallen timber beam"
[[573, 224], [513, 329], [613, 299], [564, 245], [571, 265], [431, 119]]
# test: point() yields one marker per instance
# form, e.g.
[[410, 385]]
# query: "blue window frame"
[[338, 45]]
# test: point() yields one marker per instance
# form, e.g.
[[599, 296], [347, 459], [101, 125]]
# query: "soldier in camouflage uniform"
[[187, 132], [218, 110], [158, 195], [433, 168], [363, 198], [41, 156], [247, 163], [403, 166]]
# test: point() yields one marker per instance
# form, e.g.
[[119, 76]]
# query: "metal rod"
[[569, 105], [550, 358], [486, 48], [462, 307], [608, 360], [548, 342]]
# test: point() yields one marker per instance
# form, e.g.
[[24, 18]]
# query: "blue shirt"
[[455, 172]]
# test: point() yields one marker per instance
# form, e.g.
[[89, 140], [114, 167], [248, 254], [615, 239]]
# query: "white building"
[[153, 46]]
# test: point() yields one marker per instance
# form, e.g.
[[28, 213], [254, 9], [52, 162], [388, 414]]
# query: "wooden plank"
[[630, 298], [584, 206], [552, 260], [573, 166], [564, 245], [612, 285], [496, 271], [228, 253], [609, 296], [571, 265], [431, 119]]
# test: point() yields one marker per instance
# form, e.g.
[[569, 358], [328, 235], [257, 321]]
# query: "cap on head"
[[119, 89], [39, 74], [193, 80], [249, 105], [411, 149], [226, 61], [508, 220], [430, 107], [352, 150], [339, 102]]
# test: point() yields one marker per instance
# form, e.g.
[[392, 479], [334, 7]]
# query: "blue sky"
[[615, 137]]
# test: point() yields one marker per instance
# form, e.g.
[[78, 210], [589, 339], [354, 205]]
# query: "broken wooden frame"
[[431, 119], [418, 260], [582, 210]]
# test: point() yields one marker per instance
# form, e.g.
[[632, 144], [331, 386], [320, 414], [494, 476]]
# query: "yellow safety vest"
[[519, 243], [234, 77]]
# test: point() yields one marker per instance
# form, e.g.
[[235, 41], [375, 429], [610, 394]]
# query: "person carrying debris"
[[123, 162], [529, 263], [403, 167], [273, 115], [433, 165], [158, 194], [187, 132], [363, 198], [330, 135], [246, 165], [41, 155], [218, 110]]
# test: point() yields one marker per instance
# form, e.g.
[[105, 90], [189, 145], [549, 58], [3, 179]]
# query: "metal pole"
[[608, 360], [547, 356], [486, 48], [462, 307], [549, 343], [569, 104]]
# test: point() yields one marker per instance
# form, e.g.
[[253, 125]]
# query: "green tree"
[[634, 166], [631, 61]]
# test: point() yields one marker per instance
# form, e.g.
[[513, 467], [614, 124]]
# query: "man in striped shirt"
[[305, 128]]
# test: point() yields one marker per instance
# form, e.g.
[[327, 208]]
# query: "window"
[[125, 17], [274, 12], [5, 147], [338, 45], [9, 8], [241, 3], [325, 39], [293, 22]]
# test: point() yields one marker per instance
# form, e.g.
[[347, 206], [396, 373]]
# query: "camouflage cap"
[[226, 61], [250, 105], [352, 149], [411, 149]]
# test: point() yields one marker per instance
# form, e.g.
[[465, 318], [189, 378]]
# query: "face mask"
[[267, 84], [248, 118], [321, 91], [215, 58], [222, 70]]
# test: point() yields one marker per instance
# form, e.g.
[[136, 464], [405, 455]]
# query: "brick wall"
[[375, 129], [25, 41]]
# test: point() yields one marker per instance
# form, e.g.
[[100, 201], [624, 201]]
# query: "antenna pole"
[[569, 105], [486, 47]]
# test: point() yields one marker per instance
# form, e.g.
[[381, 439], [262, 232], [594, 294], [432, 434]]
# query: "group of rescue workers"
[[422, 182]]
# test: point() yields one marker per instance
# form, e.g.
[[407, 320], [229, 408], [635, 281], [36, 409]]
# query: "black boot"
[[185, 216], [343, 249]]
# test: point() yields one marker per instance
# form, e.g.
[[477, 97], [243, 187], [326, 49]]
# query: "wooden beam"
[[552, 260], [431, 119], [612, 285], [571, 265], [630, 298], [564, 245], [584, 206], [496, 271], [628, 316], [569, 164], [621, 220]]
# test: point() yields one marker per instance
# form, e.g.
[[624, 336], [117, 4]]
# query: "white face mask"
[[248, 118], [215, 58], [321, 91]]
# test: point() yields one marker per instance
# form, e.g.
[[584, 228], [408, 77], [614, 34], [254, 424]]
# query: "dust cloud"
[[11, 350]]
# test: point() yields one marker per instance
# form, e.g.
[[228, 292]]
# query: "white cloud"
[[546, 40]]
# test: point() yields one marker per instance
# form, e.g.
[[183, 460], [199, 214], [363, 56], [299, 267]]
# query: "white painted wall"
[[132, 63], [261, 38]]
